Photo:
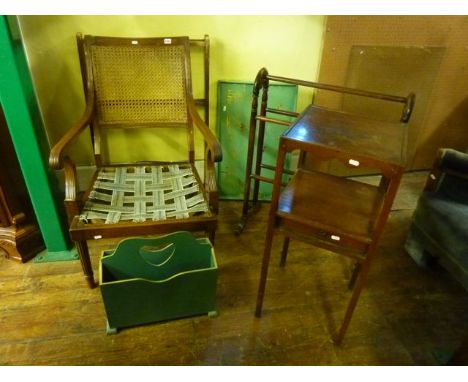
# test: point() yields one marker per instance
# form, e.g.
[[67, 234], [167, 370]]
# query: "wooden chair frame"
[[80, 231]]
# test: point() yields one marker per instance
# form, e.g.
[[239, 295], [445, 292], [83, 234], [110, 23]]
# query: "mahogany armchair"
[[136, 84]]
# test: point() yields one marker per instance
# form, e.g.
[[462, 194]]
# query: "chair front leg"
[[82, 247], [211, 235]]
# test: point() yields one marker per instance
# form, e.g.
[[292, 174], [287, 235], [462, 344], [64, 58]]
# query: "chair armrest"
[[213, 153], [453, 161], [71, 182], [56, 153], [72, 201], [450, 165], [211, 141]]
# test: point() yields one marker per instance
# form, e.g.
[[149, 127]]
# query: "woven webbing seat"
[[143, 193], [141, 84]]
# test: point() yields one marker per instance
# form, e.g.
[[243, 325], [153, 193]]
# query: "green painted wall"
[[240, 46]]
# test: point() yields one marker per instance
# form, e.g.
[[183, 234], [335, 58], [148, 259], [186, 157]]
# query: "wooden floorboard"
[[406, 315]]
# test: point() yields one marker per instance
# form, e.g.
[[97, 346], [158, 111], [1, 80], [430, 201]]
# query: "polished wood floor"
[[406, 315]]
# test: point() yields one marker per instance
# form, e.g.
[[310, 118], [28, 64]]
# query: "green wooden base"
[[48, 257], [111, 330]]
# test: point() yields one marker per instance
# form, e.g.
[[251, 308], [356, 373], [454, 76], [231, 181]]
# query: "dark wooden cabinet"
[[20, 237]]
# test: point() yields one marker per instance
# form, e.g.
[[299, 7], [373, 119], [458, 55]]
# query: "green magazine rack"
[[146, 280]]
